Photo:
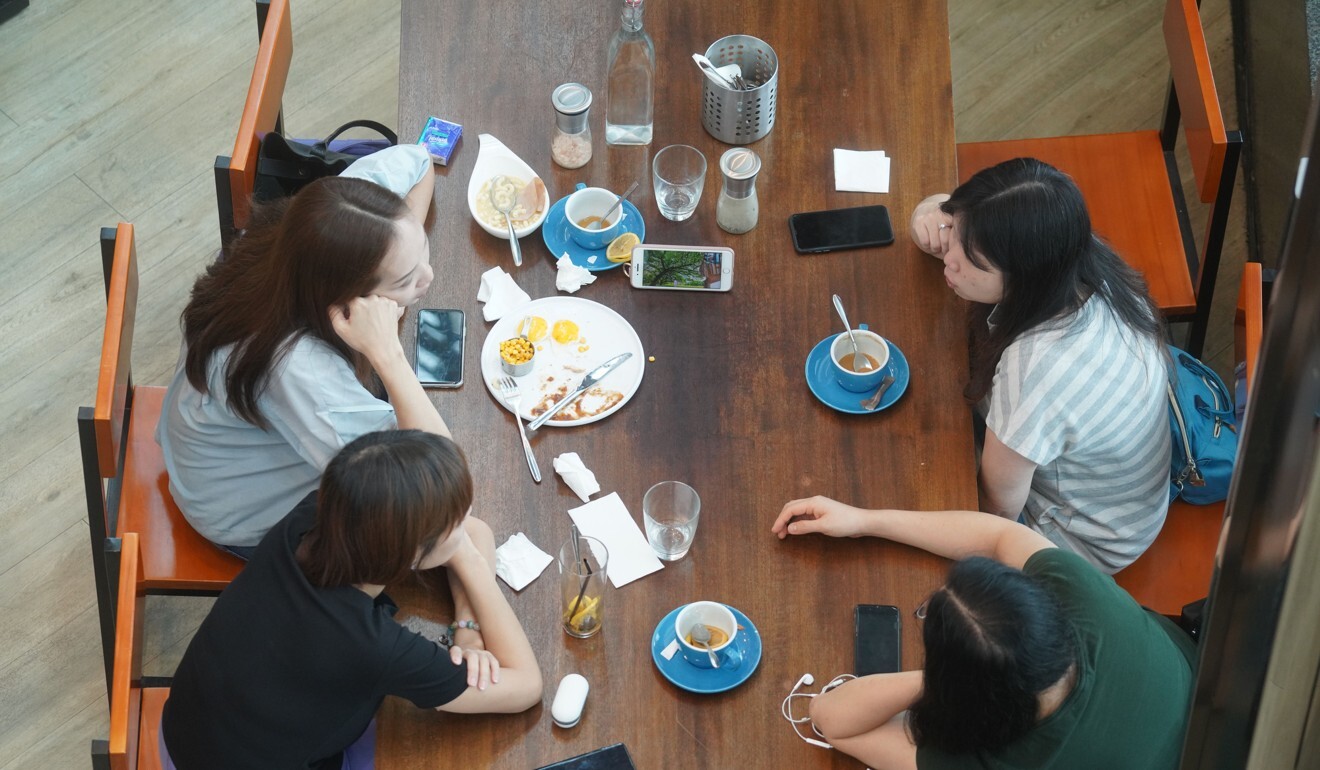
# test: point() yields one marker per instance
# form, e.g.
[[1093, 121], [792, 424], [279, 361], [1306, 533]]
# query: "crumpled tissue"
[[576, 475], [501, 294], [519, 562], [571, 277]]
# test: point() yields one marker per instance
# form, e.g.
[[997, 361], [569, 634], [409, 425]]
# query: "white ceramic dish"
[[493, 159], [607, 334]]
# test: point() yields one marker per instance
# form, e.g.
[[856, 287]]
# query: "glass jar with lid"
[[570, 144], [737, 210]]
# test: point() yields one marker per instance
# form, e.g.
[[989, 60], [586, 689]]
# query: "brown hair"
[[298, 258], [383, 497]]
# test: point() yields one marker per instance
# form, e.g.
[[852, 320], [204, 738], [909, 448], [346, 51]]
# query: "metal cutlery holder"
[[741, 117]]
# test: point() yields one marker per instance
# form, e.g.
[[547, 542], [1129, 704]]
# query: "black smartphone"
[[614, 757], [816, 232], [440, 338], [876, 648]]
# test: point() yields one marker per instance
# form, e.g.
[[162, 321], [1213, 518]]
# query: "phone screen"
[[440, 337], [876, 648], [685, 269], [853, 228]]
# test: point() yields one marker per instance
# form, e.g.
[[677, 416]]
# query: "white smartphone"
[[685, 268]]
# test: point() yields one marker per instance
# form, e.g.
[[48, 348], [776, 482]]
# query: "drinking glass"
[[679, 174], [670, 510], [582, 576]]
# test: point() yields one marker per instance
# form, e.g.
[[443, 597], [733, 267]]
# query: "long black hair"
[[1029, 220], [995, 639]]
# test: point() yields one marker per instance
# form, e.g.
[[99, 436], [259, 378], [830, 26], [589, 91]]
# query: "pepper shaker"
[[570, 144], [738, 209]]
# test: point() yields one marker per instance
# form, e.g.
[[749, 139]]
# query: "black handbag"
[[285, 166]]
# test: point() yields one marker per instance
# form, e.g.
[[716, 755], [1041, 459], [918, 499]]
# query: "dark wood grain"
[[724, 406]]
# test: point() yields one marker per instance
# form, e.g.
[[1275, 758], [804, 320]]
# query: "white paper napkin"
[[608, 520], [571, 277], [576, 475], [519, 562], [500, 293], [861, 171]]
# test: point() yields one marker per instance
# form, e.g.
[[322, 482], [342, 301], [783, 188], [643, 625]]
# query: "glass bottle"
[[738, 209], [630, 81], [570, 144]]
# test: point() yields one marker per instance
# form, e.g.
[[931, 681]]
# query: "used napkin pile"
[[576, 475], [519, 562], [571, 277]]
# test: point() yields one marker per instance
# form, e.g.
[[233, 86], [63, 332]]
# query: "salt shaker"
[[738, 209], [570, 146]]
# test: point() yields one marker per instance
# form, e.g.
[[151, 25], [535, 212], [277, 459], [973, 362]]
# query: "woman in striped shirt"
[[1067, 362]]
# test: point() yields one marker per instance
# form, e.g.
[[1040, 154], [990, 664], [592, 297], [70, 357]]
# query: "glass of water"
[[679, 174], [670, 510]]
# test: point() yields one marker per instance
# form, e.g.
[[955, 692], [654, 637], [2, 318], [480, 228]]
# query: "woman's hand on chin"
[[368, 324], [931, 227]]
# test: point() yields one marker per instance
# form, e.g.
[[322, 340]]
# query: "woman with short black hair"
[[1033, 657], [1067, 361], [298, 653]]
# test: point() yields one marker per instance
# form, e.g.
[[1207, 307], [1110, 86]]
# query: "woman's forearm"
[[862, 705], [413, 409]]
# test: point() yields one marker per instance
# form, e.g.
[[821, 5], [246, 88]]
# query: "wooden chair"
[[1132, 185], [135, 701], [236, 174], [124, 471], [1177, 568]]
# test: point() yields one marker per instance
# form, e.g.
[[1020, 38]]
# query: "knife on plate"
[[594, 376]]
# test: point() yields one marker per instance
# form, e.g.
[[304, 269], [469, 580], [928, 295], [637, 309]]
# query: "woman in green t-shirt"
[[1033, 657]]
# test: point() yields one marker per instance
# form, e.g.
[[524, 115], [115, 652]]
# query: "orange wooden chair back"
[[114, 380], [134, 710], [1203, 121], [262, 109]]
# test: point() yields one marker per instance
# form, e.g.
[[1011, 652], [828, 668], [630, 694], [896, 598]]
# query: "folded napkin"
[[500, 293], [576, 475], [519, 562], [397, 169], [571, 277], [861, 171], [608, 520]]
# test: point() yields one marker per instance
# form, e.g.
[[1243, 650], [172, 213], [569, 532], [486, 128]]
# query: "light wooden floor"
[[114, 110]]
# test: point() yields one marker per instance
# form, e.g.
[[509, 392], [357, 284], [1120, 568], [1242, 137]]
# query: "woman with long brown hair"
[[289, 341]]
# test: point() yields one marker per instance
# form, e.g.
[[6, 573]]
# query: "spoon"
[[714, 74], [700, 635], [859, 361], [495, 184], [617, 203], [871, 403]]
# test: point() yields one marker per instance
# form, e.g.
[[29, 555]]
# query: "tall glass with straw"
[[582, 584]]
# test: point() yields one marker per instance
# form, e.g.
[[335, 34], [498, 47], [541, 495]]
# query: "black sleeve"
[[421, 671]]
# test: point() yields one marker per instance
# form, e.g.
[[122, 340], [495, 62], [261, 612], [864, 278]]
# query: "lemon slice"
[[620, 249]]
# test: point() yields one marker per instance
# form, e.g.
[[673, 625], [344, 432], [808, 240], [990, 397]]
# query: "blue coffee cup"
[[876, 352], [590, 203], [714, 616]]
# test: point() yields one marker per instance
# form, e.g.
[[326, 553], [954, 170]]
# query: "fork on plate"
[[513, 400]]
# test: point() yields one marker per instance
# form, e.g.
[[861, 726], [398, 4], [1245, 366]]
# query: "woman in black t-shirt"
[[300, 650]]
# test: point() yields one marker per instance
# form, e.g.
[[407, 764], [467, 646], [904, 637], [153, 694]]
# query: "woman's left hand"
[[483, 668]]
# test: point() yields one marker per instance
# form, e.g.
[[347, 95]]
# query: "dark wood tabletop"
[[724, 406]]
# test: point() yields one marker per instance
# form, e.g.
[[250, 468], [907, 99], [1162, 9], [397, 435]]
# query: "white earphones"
[[806, 680]]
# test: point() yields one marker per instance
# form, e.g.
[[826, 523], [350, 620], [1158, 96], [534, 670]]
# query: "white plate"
[[493, 159], [607, 334]]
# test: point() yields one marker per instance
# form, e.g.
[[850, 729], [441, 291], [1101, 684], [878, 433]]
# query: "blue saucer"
[[555, 230], [821, 380], [705, 681]]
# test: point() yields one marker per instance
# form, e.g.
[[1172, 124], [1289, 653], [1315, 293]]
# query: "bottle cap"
[[571, 102], [740, 167]]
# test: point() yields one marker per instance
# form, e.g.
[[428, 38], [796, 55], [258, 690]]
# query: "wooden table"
[[724, 406]]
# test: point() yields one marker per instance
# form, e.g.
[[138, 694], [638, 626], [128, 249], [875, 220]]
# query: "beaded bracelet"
[[470, 624]]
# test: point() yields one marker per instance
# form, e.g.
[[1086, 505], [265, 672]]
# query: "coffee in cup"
[[875, 358], [722, 627], [585, 209]]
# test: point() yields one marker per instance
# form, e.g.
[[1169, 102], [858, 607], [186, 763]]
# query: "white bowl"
[[493, 159]]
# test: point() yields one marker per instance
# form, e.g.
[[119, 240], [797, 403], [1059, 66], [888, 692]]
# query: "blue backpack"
[[1205, 439]]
